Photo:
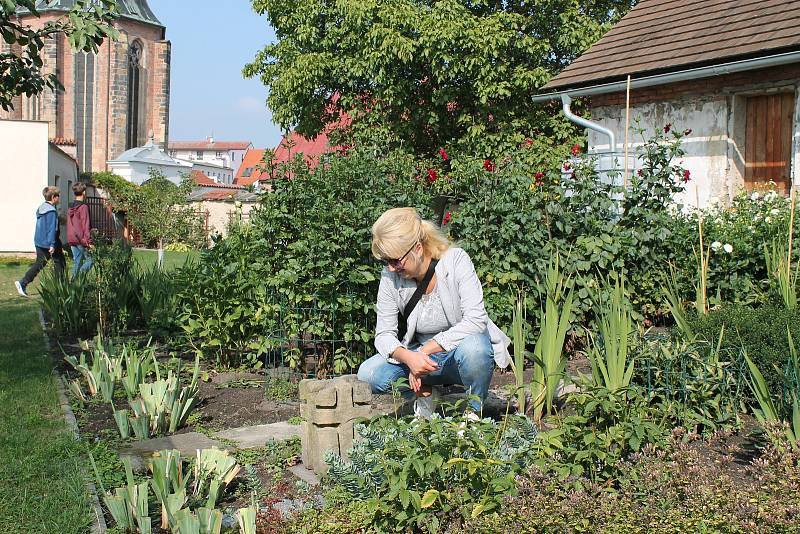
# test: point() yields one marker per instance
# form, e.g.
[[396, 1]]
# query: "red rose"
[[443, 154], [639, 172], [688, 131], [576, 149], [528, 142], [567, 166], [539, 183], [447, 217], [668, 127], [432, 176], [539, 175], [686, 175], [488, 165]]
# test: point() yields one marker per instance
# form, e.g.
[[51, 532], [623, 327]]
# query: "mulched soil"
[[227, 400]]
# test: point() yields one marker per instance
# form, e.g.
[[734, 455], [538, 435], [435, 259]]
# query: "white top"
[[461, 298], [432, 319]]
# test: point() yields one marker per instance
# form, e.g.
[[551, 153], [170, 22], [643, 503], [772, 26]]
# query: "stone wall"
[[110, 97]]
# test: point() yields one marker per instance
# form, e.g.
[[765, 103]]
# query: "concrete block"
[[330, 409]]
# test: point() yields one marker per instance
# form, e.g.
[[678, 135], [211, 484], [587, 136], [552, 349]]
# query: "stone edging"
[[99, 523]]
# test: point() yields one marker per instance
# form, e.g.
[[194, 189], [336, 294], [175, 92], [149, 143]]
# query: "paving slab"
[[251, 437], [141, 451], [307, 475]]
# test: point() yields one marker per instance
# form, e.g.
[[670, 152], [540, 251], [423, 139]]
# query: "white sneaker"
[[20, 288], [424, 407]]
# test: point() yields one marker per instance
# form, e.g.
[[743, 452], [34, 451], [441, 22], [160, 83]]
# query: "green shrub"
[[607, 427], [414, 472], [302, 269], [514, 218], [736, 237], [698, 385], [760, 331]]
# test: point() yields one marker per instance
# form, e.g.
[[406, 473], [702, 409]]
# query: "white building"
[[221, 175], [29, 162], [726, 74], [135, 164], [224, 154]]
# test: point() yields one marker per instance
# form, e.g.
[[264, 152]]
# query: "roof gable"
[[248, 171], [661, 36]]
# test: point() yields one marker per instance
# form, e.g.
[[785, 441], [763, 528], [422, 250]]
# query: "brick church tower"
[[111, 100]]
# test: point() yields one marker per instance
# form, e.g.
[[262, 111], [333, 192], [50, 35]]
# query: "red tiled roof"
[[218, 195], [205, 145], [659, 36], [286, 150], [201, 179], [63, 141], [250, 162], [311, 148]]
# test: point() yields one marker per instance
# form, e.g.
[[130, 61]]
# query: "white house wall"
[[714, 149], [23, 175], [707, 147], [62, 172]]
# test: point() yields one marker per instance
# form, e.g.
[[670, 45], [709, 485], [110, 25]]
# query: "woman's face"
[[410, 264]]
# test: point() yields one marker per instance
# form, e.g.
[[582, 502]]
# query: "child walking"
[[47, 240], [78, 230]]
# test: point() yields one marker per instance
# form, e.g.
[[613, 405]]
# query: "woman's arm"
[[474, 318]]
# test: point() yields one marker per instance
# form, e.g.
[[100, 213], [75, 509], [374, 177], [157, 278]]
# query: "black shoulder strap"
[[402, 317]]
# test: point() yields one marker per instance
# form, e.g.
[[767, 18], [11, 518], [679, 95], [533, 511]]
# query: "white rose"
[[767, 220], [772, 195], [716, 245], [727, 247], [755, 196], [774, 211]]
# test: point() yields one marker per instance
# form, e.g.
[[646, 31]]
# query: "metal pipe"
[[680, 76], [566, 101]]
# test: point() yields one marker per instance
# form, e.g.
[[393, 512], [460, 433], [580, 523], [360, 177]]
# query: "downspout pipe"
[[566, 102]]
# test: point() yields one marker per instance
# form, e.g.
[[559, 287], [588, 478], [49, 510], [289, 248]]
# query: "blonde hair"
[[399, 229]]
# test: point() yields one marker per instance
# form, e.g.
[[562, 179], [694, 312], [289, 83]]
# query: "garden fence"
[[325, 337], [695, 373]]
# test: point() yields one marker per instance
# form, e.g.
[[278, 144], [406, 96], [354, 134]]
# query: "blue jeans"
[[470, 364], [80, 259]]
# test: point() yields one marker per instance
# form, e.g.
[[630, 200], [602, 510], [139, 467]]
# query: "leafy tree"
[[158, 210], [86, 25], [427, 73]]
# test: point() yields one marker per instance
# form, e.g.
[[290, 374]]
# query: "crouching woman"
[[432, 325]]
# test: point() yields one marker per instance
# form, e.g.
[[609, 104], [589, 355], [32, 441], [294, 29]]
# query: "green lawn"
[[148, 258], [41, 487]]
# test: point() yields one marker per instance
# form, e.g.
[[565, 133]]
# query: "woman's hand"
[[420, 364], [414, 383]]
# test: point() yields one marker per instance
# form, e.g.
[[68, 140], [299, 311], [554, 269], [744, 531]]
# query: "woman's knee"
[[477, 348], [475, 356], [379, 374]]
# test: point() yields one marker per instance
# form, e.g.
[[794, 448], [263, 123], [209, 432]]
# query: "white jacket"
[[462, 299]]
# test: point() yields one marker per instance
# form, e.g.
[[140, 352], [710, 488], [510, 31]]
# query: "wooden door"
[[768, 143]]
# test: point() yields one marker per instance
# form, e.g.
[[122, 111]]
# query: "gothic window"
[[134, 75], [84, 107]]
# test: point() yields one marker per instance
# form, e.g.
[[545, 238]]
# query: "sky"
[[211, 41]]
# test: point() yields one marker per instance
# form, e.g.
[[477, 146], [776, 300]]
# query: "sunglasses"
[[396, 263]]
